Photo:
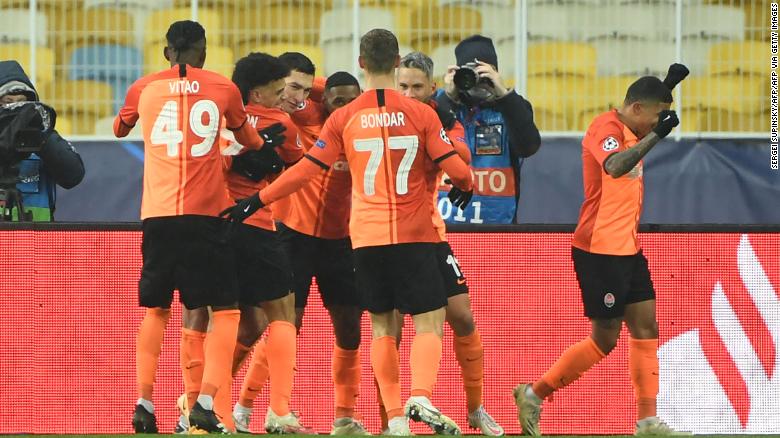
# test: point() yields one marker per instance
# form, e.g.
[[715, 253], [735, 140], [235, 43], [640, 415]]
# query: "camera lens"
[[465, 78]]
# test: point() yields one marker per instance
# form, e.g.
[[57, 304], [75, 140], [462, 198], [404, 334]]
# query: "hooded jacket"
[[56, 163]]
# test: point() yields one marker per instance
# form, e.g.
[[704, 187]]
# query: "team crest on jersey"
[[443, 135], [610, 144], [609, 300], [320, 144]]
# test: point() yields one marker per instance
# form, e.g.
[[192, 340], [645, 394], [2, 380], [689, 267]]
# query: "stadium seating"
[[575, 59], [739, 58], [637, 58], [218, 58], [548, 22], [546, 96], [442, 56], [118, 66], [159, 21], [82, 101], [64, 126], [613, 22], [11, 32], [46, 5], [90, 26], [311, 51], [738, 105], [336, 24], [694, 55], [714, 22], [435, 26], [44, 60], [401, 10], [598, 95], [274, 24]]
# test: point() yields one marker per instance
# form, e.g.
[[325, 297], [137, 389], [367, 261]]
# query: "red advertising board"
[[70, 318]]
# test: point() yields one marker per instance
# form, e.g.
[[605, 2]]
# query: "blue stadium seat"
[[119, 66]]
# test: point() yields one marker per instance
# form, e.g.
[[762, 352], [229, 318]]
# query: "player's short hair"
[[182, 35], [341, 78], [648, 89], [379, 50], [256, 70], [420, 61], [298, 62]]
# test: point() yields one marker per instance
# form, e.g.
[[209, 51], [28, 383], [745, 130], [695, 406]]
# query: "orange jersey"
[[609, 218], [391, 143], [457, 135], [261, 117], [181, 111], [321, 208]]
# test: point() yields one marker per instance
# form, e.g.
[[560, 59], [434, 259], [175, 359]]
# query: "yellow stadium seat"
[[402, 13], [576, 59], [83, 102], [47, 5], [274, 24], [91, 26], [312, 52], [218, 59], [741, 58], [546, 96], [595, 96], [159, 21], [755, 20], [226, 4], [435, 26], [724, 103], [154, 59], [64, 126], [44, 60]]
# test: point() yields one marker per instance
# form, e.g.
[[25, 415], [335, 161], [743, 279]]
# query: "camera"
[[466, 77], [24, 128]]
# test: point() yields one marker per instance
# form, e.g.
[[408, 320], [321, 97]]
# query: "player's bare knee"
[[461, 321], [196, 319], [643, 329], [605, 333], [282, 309]]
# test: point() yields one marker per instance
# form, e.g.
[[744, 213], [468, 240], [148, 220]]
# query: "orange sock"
[[256, 376], [643, 367], [572, 364], [192, 358], [382, 411], [219, 346], [384, 361], [346, 380], [239, 356], [280, 351], [424, 360], [147, 349], [222, 404], [469, 352]]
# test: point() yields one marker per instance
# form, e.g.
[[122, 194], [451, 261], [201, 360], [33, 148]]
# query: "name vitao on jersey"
[[495, 190]]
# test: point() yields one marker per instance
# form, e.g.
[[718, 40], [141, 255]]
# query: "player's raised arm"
[[128, 114]]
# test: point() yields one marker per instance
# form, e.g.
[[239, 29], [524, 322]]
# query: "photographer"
[[500, 131], [54, 160]]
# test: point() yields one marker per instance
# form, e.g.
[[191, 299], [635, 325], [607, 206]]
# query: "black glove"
[[274, 134], [677, 72], [243, 209], [445, 112], [257, 164], [458, 197], [667, 120]]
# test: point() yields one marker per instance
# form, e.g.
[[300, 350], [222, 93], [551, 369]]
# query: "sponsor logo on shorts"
[[609, 300], [610, 144]]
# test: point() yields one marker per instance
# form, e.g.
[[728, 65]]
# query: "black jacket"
[[58, 157]]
